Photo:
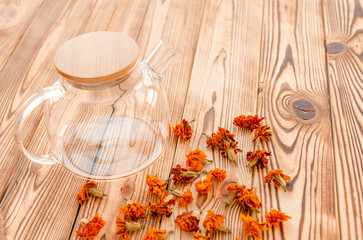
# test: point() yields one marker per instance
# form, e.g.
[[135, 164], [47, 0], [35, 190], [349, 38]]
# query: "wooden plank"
[[295, 102], [178, 24], [15, 18], [223, 85], [344, 37], [38, 195]]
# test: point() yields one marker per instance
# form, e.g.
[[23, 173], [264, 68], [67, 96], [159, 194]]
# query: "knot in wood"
[[335, 47], [126, 189], [7, 12], [304, 109]]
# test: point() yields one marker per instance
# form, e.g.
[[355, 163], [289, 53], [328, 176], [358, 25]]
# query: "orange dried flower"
[[156, 185], [224, 140], [248, 199], [92, 228], [133, 210], [219, 174], [264, 133], [215, 222], [188, 221], [274, 217], [196, 159], [201, 236], [162, 207], [237, 238], [252, 227], [278, 178], [205, 184], [183, 130], [89, 188], [123, 227], [156, 234], [186, 198], [182, 175], [258, 157], [233, 189], [248, 122]]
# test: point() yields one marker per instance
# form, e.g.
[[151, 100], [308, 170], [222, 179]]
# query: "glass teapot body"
[[111, 132], [105, 130]]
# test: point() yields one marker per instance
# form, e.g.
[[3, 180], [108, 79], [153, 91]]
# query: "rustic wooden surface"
[[298, 63]]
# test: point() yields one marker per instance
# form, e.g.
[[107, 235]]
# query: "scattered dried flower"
[[156, 185], [275, 217], [248, 199], [133, 210], [215, 222], [205, 184], [196, 159], [92, 228], [123, 227], [156, 234], [233, 190], [200, 236], [248, 122], [89, 188], [224, 140], [252, 227], [183, 129], [219, 174], [182, 175], [162, 207], [278, 178], [184, 198], [188, 221], [264, 133], [258, 157]]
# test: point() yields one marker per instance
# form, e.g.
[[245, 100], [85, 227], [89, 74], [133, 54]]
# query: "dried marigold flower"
[[156, 234], [196, 159], [92, 228], [205, 184], [133, 210], [264, 133], [215, 222], [200, 236], [274, 217], [278, 178], [257, 157], [252, 227], [184, 198], [233, 189], [188, 221], [182, 175], [89, 188], [156, 185], [224, 140], [237, 238], [123, 227], [219, 174], [183, 129], [248, 122], [162, 207], [249, 200]]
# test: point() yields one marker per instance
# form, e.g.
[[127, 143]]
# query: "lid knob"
[[96, 57]]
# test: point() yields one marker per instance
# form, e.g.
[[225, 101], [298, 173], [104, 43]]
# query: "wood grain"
[[227, 61], [294, 98], [344, 44], [36, 194], [15, 17]]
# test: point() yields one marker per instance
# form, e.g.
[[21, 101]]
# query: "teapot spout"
[[161, 58]]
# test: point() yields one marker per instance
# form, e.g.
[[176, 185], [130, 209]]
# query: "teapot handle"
[[24, 112]]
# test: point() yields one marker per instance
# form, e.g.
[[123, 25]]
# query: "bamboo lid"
[[96, 57]]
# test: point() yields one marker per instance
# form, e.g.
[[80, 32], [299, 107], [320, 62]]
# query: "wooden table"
[[298, 63]]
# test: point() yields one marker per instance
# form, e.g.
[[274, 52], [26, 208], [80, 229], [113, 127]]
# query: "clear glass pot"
[[105, 129]]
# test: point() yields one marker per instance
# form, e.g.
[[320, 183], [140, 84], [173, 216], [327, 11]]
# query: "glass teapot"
[[107, 115]]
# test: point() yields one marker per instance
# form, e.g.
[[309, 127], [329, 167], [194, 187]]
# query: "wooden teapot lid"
[[96, 57]]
